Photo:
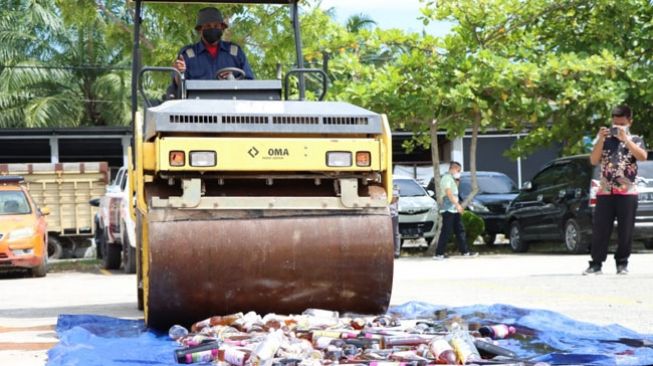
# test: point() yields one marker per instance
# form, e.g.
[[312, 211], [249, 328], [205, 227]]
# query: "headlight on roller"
[[21, 234], [338, 159], [202, 158]]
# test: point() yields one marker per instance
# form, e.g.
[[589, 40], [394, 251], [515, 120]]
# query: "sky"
[[401, 14]]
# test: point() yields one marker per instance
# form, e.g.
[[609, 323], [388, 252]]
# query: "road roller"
[[251, 198]]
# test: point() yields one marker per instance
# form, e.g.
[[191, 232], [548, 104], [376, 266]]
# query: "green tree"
[[55, 73]]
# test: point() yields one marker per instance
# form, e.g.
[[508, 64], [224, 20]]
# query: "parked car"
[[70, 223], [418, 212], [558, 205], [496, 191], [23, 229], [114, 228]]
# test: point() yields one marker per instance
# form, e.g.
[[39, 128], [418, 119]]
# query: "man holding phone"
[[618, 152]]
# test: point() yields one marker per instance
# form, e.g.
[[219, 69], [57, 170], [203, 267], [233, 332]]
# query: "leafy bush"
[[474, 226]]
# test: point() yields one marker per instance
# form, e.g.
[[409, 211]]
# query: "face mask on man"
[[456, 175], [212, 35]]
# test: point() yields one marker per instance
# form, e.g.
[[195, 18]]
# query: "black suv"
[[495, 191], [558, 204]]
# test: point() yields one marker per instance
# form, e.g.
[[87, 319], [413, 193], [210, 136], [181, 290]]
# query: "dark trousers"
[[452, 223], [623, 208], [395, 234]]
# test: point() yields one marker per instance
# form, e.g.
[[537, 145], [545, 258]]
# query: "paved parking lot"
[[30, 306]]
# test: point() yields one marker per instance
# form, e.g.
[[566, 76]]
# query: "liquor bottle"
[[497, 331], [177, 332], [268, 348], [233, 356], [358, 323], [202, 353], [463, 345], [442, 352], [216, 320], [407, 340], [489, 350]]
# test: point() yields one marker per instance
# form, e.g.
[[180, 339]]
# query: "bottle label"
[[500, 331], [234, 356], [326, 333], [203, 356]]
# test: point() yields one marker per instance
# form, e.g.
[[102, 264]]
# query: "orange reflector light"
[[177, 158], [363, 158]]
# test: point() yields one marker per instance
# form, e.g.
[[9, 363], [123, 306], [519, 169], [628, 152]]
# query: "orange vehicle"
[[23, 230]]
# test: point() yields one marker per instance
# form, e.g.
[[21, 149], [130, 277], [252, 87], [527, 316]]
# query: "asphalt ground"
[[545, 278]]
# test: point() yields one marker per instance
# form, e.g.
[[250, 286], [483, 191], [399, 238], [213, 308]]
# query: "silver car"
[[418, 211]]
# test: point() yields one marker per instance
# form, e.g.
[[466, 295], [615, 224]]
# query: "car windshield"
[[488, 184], [13, 203], [409, 188]]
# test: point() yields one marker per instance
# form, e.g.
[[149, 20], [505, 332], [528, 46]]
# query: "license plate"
[[411, 232]]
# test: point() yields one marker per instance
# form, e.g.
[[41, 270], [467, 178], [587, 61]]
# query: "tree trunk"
[[472, 160], [435, 159]]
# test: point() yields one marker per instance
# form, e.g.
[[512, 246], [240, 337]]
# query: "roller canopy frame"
[[294, 6]]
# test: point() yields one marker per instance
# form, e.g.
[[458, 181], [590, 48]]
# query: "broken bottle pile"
[[320, 337]]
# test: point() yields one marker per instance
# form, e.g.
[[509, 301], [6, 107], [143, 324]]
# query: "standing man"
[[451, 214], [618, 152], [394, 214], [203, 60]]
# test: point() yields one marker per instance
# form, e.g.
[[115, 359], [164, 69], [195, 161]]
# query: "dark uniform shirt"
[[200, 65]]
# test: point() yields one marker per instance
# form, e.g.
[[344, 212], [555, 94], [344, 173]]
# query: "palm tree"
[[55, 75], [357, 22]]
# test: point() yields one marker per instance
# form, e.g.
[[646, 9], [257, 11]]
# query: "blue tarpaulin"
[[541, 336]]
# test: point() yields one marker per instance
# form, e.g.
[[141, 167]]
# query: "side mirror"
[[95, 202], [527, 186], [430, 193], [45, 211]]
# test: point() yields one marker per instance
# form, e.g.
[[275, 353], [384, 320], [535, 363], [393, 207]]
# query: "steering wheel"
[[227, 73]]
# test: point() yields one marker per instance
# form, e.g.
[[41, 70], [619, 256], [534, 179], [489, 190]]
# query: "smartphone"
[[614, 131]]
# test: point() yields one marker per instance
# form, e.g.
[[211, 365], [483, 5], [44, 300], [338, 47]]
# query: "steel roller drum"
[[203, 264]]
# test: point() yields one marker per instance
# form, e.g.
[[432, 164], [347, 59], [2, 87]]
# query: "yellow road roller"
[[248, 200]]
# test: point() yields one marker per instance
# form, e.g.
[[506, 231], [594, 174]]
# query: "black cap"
[[209, 15], [622, 111]]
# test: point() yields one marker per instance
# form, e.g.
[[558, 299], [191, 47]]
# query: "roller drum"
[[203, 264]]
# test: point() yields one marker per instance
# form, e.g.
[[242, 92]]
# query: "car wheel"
[[517, 243], [129, 255], [489, 239], [42, 269], [648, 244], [110, 254], [55, 250], [575, 241]]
